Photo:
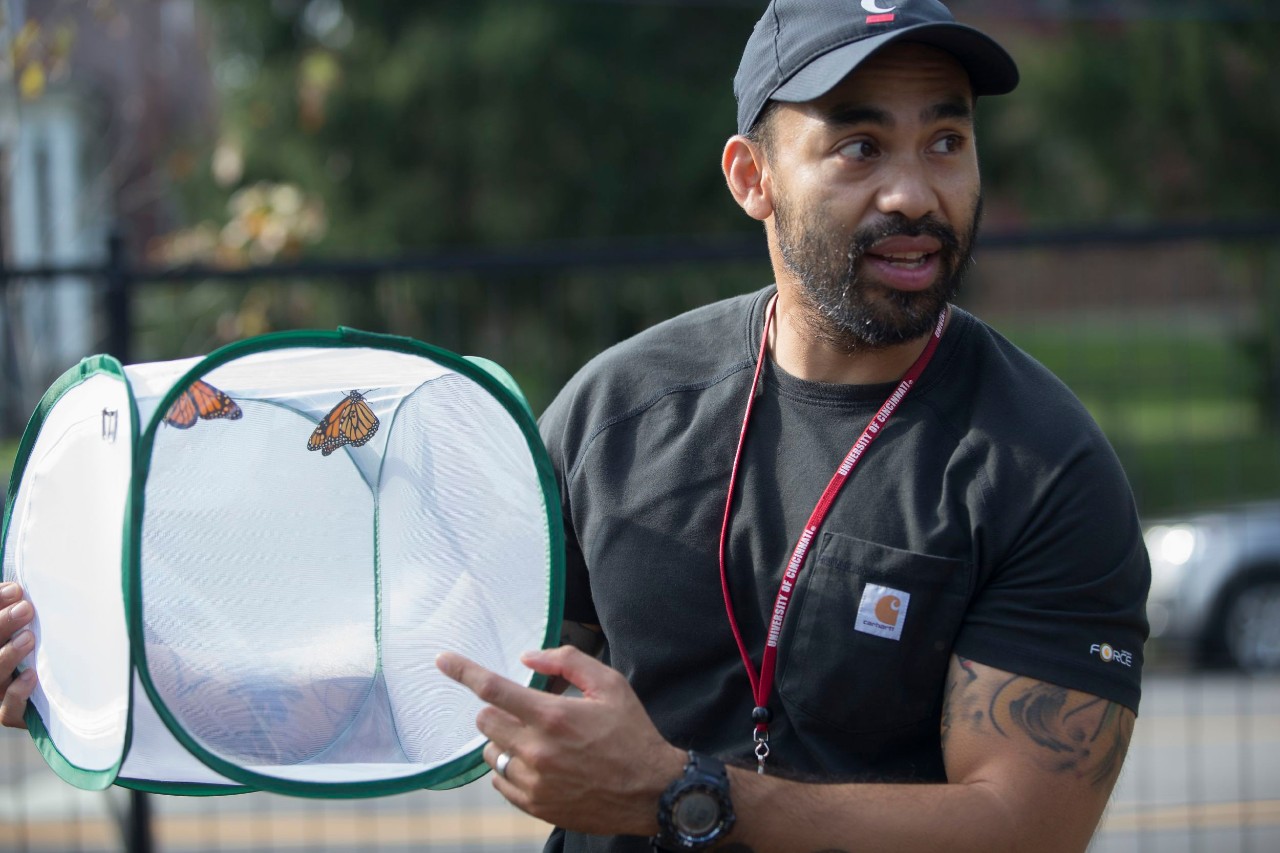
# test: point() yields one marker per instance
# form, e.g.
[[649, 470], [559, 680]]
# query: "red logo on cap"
[[879, 14]]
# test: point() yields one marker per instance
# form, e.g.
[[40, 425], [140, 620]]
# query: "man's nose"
[[907, 189]]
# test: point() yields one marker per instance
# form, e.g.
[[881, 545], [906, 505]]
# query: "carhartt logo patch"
[[882, 612]]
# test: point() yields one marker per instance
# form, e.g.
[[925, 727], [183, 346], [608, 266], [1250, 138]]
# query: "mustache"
[[898, 225]]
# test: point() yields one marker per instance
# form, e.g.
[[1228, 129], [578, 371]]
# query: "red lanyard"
[[762, 684]]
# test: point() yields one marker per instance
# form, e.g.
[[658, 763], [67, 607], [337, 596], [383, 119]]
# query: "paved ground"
[[1203, 776]]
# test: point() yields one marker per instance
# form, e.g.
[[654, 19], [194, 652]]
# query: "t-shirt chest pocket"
[[869, 638]]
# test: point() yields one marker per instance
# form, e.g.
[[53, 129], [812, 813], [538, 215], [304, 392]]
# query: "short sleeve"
[[578, 604], [1065, 599]]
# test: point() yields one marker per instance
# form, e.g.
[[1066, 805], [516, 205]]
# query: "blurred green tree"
[[494, 121], [463, 123], [1143, 120]]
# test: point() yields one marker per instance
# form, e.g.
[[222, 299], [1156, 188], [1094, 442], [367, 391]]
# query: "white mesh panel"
[[463, 544], [257, 584], [155, 754], [65, 549]]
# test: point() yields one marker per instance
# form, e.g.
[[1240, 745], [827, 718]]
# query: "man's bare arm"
[[1073, 733], [1031, 766]]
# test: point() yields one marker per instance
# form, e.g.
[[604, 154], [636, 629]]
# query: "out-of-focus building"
[[96, 94]]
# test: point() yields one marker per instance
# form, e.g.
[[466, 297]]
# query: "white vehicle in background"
[[1215, 585]]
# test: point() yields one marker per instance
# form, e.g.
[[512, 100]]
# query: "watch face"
[[696, 813]]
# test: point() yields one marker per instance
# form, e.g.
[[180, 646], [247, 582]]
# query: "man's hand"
[[16, 643], [1030, 766], [593, 764]]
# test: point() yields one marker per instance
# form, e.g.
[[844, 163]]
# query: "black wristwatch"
[[695, 811]]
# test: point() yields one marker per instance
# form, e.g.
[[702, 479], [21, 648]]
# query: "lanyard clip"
[[760, 716], [761, 737]]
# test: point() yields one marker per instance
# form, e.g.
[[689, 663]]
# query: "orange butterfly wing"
[[358, 423], [350, 422], [182, 414], [211, 403], [326, 437], [201, 400]]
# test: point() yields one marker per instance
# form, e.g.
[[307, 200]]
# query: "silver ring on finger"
[[500, 766]]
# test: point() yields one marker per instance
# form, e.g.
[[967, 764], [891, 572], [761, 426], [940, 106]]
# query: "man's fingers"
[[507, 782], [16, 639], [14, 703], [12, 652], [574, 666], [14, 612], [499, 726], [492, 754], [491, 688], [16, 642], [9, 593]]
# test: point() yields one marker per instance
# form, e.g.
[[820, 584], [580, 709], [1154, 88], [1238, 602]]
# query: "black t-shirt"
[[990, 507]]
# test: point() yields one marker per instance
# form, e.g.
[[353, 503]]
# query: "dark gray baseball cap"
[[800, 49]]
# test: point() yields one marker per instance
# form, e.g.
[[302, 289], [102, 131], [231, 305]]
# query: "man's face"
[[876, 197]]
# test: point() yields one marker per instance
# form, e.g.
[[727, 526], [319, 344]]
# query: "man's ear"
[[746, 171]]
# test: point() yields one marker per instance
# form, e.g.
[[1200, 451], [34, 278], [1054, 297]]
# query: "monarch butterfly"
[[201, 400], [350, 422]]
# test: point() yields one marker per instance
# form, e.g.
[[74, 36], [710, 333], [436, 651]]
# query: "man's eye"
[[859, 149], [948, 144]]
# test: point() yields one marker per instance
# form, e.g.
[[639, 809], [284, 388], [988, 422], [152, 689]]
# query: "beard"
[[848, 309]]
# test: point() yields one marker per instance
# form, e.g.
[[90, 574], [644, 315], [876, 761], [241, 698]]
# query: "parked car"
[[1215, 585]]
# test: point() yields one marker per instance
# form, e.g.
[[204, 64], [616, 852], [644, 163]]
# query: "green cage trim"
[[459, 771], [183, 789], [80, 777]]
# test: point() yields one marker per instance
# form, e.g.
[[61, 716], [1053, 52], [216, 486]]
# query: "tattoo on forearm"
[[1076, 733], [1085, 737]]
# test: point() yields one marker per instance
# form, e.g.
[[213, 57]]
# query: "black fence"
[[588, 294], [119, 277]]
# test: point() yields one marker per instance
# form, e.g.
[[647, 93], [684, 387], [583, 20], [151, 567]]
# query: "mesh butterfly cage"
[[244, 565]]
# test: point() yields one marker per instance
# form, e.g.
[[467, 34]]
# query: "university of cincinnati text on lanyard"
[[762, 684]]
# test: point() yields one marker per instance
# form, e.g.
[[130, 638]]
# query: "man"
[[957, 620], [835, 534]]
